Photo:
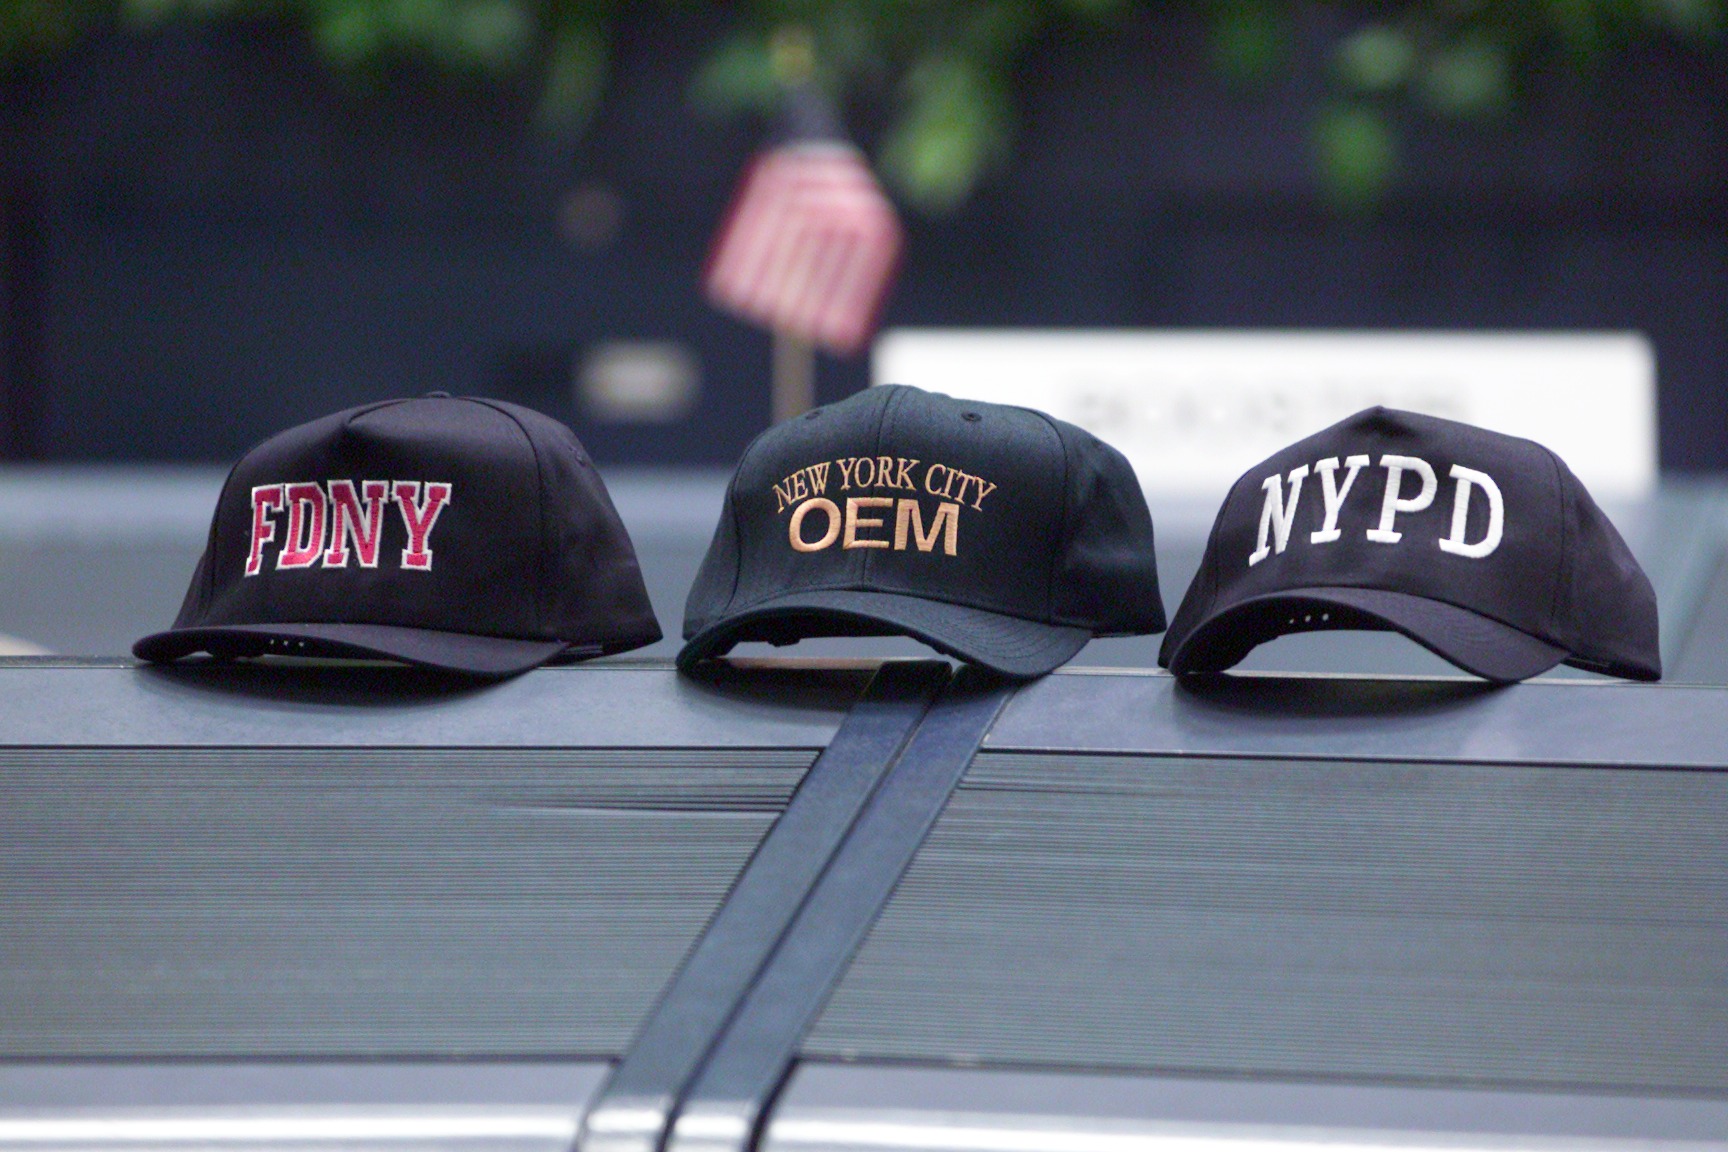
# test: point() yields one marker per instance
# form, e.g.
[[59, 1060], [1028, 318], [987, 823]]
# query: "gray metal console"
[[1272, 910]]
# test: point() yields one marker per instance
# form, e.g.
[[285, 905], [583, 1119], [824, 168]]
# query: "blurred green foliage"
[[940, 72]]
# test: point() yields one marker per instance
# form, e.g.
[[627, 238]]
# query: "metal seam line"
[[962, 1132], [633, 1109], [345, 1128], [753, 1055]]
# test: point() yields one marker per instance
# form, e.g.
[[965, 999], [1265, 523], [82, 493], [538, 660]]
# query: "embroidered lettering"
[[1393, 504], [908, 517], [350, 522], [1333, 495], [800, 485], [324, 519], [266, 498], [855, 527], [305, 527], [855, 521], [419, 514], [794, 528], [1276, 517], [1468, 480]]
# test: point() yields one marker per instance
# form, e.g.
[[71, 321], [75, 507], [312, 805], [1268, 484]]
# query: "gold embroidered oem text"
[[865, 519]]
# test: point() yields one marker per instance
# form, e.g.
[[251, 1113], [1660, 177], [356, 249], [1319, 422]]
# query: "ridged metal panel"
[[1403, 921], [1703, 657], [361, 902]]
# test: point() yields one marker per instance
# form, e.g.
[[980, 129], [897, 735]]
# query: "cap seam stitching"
[[864, 587], [1214, 556], [1562, 580], [732, 506], [1063, 534], [894, 398], [541, 592], [1207, 579], [207, 593]]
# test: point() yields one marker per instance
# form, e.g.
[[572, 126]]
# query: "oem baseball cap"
[[463, 534], [1484, 548], [998, 535]]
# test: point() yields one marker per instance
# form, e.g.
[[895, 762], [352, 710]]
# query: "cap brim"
[[450, 651], [1475, 643], [1005, 644]]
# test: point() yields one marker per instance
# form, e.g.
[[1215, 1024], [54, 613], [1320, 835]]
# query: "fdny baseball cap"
[[995, 534], [463, 534], [1481, 547]]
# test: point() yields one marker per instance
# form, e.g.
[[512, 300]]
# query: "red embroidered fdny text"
[[305, 527], [419, 515], [265, 499], [349, 522], [334, 521]]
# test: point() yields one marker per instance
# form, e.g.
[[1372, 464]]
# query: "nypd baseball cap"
[[998, 535], [463, 534], [1484, 548]]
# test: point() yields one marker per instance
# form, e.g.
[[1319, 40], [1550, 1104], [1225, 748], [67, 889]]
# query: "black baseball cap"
[[995, 534], [457, 533], [1484, 548]]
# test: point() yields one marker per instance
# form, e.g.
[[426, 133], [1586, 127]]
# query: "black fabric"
[[525, 558], [1016, 647], [1048, 529], [478, 655], [1481, 646], [1560, 583]]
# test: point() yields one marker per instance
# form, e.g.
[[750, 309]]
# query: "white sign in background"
[[1193, 410]]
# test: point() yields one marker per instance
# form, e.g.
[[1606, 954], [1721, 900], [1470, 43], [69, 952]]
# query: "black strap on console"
[[640, 1098], [746, 1067]]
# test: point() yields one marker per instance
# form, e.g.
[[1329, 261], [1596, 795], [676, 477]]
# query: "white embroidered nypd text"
[[329, 523], [1278, 512]]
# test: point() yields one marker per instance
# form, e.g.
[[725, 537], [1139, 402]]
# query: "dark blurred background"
[[221, 222]]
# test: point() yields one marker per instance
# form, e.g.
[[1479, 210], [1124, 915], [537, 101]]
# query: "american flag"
[[810, 244]]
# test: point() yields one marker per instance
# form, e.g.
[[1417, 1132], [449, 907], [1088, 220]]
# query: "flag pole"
[[794, 376], [792, 51]]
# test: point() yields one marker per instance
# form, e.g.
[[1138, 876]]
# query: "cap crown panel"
[[716, 583], [996, 479], [1608, 615], [793, 467], [899, 490], [1395, 543], [483, 546], [1106, 573]]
